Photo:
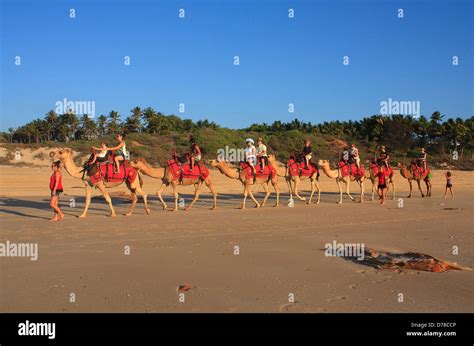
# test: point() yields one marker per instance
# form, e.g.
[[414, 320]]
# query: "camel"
[[373, 178], [240, 175], [336, 174], [293, 182], [66, 158], [167, 178], [408, 174]]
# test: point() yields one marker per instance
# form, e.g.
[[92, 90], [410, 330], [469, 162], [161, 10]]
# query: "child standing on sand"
[[56, 187], [449, 185]]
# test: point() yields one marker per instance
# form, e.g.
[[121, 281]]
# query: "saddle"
[[106, 171], [418, 170], [268, 171], [376, 168], [350, 169], [297, 166], [182, 170]]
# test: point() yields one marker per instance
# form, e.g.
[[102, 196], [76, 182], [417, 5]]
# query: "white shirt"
[[251, 154]]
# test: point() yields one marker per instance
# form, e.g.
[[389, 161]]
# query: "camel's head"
[[271, 158], [60, 154], [323, 163], [139, 163], [214, 163]]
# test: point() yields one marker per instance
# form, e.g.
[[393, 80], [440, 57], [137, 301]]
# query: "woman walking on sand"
[[449, 185], [56, 187]]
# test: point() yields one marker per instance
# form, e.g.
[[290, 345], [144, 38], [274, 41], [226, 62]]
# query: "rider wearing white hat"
[[250, 153]]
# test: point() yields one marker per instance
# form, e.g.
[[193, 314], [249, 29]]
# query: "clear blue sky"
[[282, 61]]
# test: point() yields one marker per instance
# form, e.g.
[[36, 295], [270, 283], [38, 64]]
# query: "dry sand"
[[281, 251]]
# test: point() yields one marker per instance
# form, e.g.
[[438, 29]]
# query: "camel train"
[[175, 173]]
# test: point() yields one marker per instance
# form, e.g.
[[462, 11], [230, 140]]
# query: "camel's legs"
[[244, 200], [297, 184], [100, 185], [88, 199], [340, 190], [393, 187], [290, 188], [257, 205], [277, 191], [144, 196], [214, 194], [312, 180], [175, 194], [137, 188], [348, 188], [374, 187], [419, 187], [134, 201], [411, 187], [361, 191], [163, 185], [316, 184], [197, 188], [428, 188], [267, 193]]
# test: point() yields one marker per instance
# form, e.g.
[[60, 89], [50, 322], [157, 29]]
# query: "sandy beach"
[[234, 260]]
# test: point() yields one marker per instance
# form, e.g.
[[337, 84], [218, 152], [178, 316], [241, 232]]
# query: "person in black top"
[[307, 152]]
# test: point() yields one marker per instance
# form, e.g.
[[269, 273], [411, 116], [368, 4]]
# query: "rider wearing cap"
[[250, 154]]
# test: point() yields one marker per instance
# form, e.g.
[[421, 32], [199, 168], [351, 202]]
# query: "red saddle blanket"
[[295, 168], [268, 171], [375, 169], [419, 171], [183, 171], [350, 169], [106, 172]]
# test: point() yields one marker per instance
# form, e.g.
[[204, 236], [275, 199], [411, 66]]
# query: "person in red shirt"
[[56, 187], [382, 186]]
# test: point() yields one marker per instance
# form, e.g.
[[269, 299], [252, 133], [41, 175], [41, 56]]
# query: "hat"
[[249, 140]]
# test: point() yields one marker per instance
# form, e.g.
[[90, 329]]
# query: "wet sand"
[[281, 251]]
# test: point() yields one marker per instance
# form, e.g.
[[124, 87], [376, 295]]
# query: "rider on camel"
[[121, 153], [422, 158], [307, 152], [354, 153], [261, 154], [250, 154], [195, 154], [383, 157]]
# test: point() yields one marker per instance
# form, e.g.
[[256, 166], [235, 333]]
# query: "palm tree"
[[114, 122], [88, 127], [133, 123], [11, 132], [101, 124]]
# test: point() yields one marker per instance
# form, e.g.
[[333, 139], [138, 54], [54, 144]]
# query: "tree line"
[[399, 132]]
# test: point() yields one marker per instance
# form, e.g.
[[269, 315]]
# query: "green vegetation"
[[154, 136]]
